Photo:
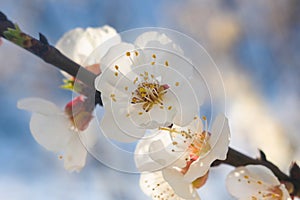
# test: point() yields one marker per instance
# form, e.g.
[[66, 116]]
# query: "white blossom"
[[145, 85], [58, 132], [255, 182], [190, 149]]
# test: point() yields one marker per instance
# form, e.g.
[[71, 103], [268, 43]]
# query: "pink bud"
[[79, 112]]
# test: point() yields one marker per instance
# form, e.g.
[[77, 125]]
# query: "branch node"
[[2, 16], [295, 171], [43, 39], [262, 155]]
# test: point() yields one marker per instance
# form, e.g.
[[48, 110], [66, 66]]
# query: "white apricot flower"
[[145, 85], [62, 132], [255, 182], [79, 43], [154, 185], [189, 150]]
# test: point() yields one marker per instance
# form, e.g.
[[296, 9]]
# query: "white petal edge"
[[176, 180], [157, 40], [75, 154], [38, 105]]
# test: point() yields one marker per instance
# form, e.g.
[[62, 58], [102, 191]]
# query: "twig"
[[48, 53]]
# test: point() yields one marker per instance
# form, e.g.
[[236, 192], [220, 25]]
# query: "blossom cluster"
[[148, 93]]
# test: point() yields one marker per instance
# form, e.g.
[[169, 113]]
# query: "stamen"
[[113, 97], [128, 54], [149, 94], [167, 63], [205, 126]]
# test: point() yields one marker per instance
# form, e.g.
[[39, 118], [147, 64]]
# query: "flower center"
[[194, 142], [149, 94], [273, 193], [199, 146]]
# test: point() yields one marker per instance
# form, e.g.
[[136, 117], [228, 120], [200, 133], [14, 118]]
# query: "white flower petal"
[[110, 84], [161, 117], [181, 187], [154, 152], [117, 55], [92, 38], [138, 116], [79, 43], [122, 131], [199, 86], [116, 71], [89, 136], [254, 181], [154, 185], [109, 39], [221, 137], [51, 131], [262, 173], [285, 192], [158, 152], [68, 42], [166, 51], [75, 154], [157, 40], [187, 105], [142, 157], [38, 105], [49, 126]]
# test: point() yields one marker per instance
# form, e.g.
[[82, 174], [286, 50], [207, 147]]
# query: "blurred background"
[[255, 45]]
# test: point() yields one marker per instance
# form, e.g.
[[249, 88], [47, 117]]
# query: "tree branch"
[[51, 55], [48, 53]]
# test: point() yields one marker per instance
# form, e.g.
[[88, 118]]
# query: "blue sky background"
[[256, 40]]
